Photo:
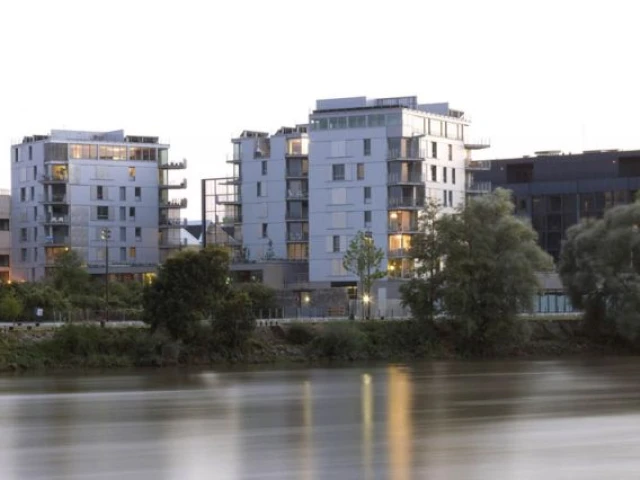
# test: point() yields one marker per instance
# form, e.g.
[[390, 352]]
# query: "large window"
[[102, 212], [298, 251], [83, 152], [367, 194], [337, 171]]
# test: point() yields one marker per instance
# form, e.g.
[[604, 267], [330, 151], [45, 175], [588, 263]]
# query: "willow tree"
[[600, 269], [363, 259]]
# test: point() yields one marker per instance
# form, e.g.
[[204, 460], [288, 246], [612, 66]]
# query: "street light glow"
[[366, 298]]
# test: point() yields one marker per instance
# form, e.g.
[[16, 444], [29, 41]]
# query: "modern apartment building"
[[5, 235], [93, 191], [360, 165], [555, 190]]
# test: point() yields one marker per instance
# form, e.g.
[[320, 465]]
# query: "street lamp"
[[105, 234]]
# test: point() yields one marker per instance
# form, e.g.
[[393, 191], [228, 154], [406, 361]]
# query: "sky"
[[543, 75]]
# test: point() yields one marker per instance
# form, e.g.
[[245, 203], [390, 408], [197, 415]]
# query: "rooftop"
[[115, 136], [411, 102]]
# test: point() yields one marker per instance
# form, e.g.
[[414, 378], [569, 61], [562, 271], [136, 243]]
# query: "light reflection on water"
[[438, 420]]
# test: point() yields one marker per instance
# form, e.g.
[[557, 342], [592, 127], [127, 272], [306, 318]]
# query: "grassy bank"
[[78, 346]]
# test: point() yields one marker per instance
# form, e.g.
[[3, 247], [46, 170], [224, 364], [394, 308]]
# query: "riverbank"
[[78, 346]]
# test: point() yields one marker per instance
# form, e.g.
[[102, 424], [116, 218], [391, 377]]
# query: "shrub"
[[338, 340], [300, 334]]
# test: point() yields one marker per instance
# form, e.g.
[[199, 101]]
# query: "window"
[[132, 252], [100, 192], [264, 167], [336, 243], [35, 172], [337, 171], [23, 194], [35, 214], [35, 254], [132, 173], [434, 150], [32, 193], [102, 213], [138, 194], [23, 254], [357, 121], [360, 171], [367, 194], [450, 198], [23, 234], [265, 230], [450, 152], [444, 174], [35, 234], [366, 146], [123, 254], [259, 189], [16, 155], [444, 198], [138, 234], [367, 219], [453, 176], [338, 196], [123, 194], [123, 214], [132, 213], [434, 173], [4, 261], [4, 225], [123, 234], [30, 152]]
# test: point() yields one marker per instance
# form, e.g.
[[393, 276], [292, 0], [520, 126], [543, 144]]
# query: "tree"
[[262, 297], [423, 292], [363, 259], [187, 290], [600, 269], [70, 276], [489, 274], [10, 306]]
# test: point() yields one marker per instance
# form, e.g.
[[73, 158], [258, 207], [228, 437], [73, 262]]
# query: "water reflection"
[[439, 420]]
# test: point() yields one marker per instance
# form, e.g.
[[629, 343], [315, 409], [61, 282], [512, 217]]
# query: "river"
[[439, 420]]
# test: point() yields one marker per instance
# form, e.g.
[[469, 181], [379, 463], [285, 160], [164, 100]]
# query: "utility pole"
[[105, 234]]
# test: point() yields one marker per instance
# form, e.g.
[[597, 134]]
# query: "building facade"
[[5, 236], [361, 164], [93, 191], [555, 190]]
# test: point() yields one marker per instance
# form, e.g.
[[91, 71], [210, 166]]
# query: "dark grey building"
[[556, 190]]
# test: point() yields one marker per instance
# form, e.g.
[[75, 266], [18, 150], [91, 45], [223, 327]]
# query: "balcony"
[[297, 194], [477, 144], [233, 159], [231, 220], [56, 198], [182, 184], [56, 240], [297, 215], [54, 219], [478, 187], [404, 178], [165, 165], [298, 237], [232, 181], [56, 178], [172, 223], [231, 199], [416, 155], [395, 227], [398, 253], [297, 173], [477, 165], [405, 202], [181, 203], [296, 154]]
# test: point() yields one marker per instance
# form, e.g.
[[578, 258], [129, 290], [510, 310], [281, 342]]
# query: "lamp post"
[[105, 234]]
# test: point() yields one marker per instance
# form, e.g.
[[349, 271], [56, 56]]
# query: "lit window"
[[360, 171]]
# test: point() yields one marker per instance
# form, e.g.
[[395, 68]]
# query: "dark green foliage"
[[234, 321], [262, 297], [300, 333], [600, 269], [189, 287], [10, 305], [343, 341]]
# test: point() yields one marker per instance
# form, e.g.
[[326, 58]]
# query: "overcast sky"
[[532, 75]]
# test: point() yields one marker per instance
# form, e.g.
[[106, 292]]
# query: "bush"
[[338, 341], [300, 334]]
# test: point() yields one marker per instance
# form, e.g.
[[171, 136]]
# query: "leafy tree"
[[188, 288], [10, 306], [489, 274], [600, 269], [70, 276], [234, 320], [262, 297], [40, 295], [363, 259], [424, 292]]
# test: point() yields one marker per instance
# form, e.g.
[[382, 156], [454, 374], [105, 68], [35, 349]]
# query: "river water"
[[577, 419]]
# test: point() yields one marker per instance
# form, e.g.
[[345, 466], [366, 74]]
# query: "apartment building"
[[5, 235], [106, 195], [555, 190], [359, 165]]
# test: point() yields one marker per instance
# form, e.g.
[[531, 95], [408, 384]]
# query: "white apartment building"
[[93, 191], [363, 165]]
